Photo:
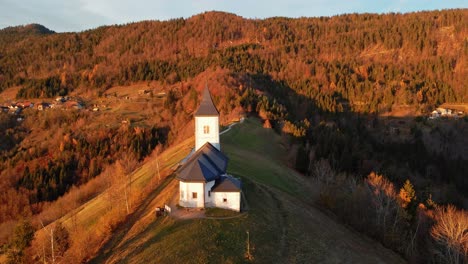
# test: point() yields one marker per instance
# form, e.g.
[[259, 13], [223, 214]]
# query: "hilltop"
[[282, 222], [25, 30], [17, 34]]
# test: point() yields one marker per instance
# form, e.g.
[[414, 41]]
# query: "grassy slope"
[[86, 216], [283, 227]]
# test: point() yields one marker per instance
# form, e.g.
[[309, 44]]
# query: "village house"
[[203, 181], [445, 112], [144, 92], [25, 104], [161, 95], [72, 105], [42, 106], [16, 111]]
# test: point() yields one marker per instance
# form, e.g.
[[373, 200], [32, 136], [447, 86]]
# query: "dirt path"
[[282, 219], [305, 233], [230, 126], [302, 233], [321, 234]]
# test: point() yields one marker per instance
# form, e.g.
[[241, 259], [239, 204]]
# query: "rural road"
[[231, 125]]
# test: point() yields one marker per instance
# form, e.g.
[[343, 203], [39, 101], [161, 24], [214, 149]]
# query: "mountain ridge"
[[28, 29], [405, 47]]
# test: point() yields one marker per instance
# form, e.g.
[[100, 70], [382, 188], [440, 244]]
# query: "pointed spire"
[[206, 108]]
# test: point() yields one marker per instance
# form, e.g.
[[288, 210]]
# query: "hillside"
[[85, 116], [26, 30], [367, 62], [95, 213], [283, 226]]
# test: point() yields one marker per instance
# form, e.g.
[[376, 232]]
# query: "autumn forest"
[[349, 95]]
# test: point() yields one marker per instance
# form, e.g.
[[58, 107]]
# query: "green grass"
[[282, 228], [166, 240], [251, 136], [219, 212], [255, 153]]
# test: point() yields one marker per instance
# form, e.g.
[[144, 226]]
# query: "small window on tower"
[[194, 195], [206, 129]]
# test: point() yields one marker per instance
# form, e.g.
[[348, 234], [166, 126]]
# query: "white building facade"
[[207, 130], [227, 200], [203, 181]]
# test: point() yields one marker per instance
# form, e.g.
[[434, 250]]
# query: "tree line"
[[44, 172], [382, 60]]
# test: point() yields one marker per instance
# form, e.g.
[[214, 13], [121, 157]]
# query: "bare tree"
[[390, 219], [110, 175], [323, 172], [450, 232], [50, 232], [383, 194], [124, 169], [155, 165]]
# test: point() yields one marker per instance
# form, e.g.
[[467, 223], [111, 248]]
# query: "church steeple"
[[207, 108], [207, 122]]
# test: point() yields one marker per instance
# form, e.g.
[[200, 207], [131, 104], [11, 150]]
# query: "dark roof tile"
[[207, 164], [206, 108], [227, 184]]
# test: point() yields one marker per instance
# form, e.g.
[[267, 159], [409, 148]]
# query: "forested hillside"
[[332, 87], [372, 61]]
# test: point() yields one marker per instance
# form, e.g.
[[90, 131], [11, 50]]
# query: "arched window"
[[206, 129]]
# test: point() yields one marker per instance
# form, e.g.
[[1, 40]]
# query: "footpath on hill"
[[282, 224]]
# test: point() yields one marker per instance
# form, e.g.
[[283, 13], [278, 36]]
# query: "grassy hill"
[[285, 70], [283, 225]]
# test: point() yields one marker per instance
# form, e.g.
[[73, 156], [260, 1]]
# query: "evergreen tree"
[[22, 238], [61, 239], [408, 197]]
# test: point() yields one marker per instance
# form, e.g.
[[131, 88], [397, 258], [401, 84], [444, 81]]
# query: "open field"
[[261, 147], [134, 90], [9, 94], [459, 107]]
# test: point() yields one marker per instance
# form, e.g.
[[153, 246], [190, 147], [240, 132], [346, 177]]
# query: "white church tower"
[[207, 122], [203, 181]]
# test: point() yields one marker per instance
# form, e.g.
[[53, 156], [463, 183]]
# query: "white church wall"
[[186, 190], [227, 200], [208, 194], [212, 122]]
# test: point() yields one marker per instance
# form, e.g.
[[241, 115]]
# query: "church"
[[203, 181]]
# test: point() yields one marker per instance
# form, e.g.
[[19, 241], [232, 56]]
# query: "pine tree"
[[408, 198], [22, 238], [61, 239]]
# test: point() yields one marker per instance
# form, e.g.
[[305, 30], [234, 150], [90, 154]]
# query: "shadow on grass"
[[109, 247]]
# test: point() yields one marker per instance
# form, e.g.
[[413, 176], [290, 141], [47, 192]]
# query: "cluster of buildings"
[[61, 102], [445, 112]]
